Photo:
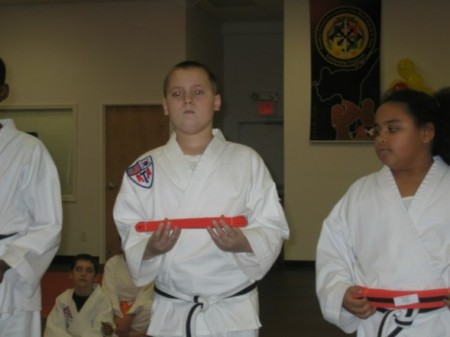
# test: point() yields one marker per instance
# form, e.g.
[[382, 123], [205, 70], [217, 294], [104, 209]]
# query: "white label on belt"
[[406, 300]]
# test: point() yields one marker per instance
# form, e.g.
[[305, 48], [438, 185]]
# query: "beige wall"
[[204, 40], [89, 55], [316, 175]]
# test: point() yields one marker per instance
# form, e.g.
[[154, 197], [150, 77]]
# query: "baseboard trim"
[[299, 264], [280, 264], [63, 261]]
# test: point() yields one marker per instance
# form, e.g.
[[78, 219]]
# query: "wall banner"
[[345, 68]]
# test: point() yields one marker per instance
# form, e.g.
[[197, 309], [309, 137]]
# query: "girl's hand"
[[358, 306]]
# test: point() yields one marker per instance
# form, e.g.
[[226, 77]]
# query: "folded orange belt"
[[404, 299], [150, 226], [125, 307]]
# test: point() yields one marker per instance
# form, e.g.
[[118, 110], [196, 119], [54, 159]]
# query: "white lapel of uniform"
[[78, 323], [432, 229], [404, 226], [193, 183], [174, 164], [427, 190]]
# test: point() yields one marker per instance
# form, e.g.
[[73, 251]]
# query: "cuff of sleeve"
[[12, 257], [338, 315], [147, 271], [255, 265]]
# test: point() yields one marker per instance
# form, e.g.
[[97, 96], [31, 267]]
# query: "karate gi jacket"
[[230, 179], [66, 321], [30, 208], [119, 287], [373, 240]]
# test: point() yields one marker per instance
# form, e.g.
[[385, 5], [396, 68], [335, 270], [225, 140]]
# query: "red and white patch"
[[141, 172]]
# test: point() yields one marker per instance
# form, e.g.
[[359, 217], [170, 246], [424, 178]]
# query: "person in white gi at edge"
[[205, 279], [383, 256], [131, 304], [30, 224]]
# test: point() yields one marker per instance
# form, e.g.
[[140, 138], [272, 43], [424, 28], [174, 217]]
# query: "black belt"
[[197, 304], [4, 236], [421, 310], [400, 324]]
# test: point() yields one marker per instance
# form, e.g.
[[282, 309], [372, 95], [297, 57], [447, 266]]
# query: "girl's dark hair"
[[424, 108], [2, 72], [188, 65], [86, 257]]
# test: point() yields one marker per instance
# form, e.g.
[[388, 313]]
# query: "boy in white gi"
[[383, 257], [82, 310], [131, 304], [30, 224], [204, 278]]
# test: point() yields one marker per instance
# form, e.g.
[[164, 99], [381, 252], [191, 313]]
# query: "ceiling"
[[223, 10]]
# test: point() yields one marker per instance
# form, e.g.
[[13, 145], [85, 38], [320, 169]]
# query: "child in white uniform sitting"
[[81, 310]]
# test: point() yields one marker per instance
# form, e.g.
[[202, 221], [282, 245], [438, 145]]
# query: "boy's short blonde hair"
[[191, 64]]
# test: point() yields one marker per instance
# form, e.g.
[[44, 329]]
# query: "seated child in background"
[[82, 310], [131, 304]]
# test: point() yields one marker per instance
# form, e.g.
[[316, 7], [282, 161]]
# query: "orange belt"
[[404, 299], [150, 226], [125, 307]]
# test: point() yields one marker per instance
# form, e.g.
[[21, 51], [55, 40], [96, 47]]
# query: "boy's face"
[[83, 274], [191, 101]]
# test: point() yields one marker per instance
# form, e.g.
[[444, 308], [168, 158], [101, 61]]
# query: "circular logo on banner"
[[346, 36]]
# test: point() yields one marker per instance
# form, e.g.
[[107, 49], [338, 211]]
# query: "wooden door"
[[130, 131]]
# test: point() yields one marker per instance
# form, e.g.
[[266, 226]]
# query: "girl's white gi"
[[66, 321], [372, 239], [30, 205], [230, 179]]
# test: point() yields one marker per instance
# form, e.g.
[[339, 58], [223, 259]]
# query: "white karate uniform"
[[119, 287], [66, 321], [30, 206], [229, 179], [373, 239]]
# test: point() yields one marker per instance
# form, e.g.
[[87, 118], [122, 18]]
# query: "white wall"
[[316, 175]]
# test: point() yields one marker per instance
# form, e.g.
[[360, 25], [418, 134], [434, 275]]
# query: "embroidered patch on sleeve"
[[141, 172]]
